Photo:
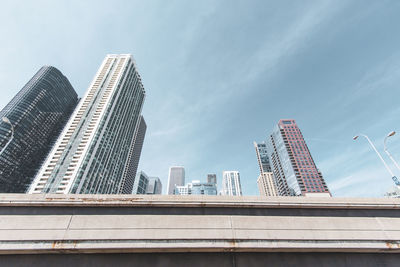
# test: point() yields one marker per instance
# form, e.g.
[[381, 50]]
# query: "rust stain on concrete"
[[391, 245]]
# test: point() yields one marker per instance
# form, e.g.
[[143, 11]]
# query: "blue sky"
[[220, 74]]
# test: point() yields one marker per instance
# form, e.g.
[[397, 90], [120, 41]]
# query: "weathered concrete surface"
[[234, 228]]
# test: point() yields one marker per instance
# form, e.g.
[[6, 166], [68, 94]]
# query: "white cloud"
[[312, 18], [371, 182]]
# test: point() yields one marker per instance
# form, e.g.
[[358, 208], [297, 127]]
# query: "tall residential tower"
[[35, 116], [91, 155], [294, 169]]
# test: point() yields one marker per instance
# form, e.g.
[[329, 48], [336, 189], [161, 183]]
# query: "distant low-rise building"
[[212, 178], [197, 188], [393, 192]]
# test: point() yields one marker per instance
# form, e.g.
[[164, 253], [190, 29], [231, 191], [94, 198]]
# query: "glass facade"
[[141, 184], [38, 114], [262, 157], [91, 156], [273, 147], [204, 189]]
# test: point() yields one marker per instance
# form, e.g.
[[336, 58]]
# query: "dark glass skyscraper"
[[37, 113]]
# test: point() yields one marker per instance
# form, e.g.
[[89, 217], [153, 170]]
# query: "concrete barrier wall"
[[106, 225]]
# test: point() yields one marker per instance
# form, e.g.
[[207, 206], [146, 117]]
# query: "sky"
[[220, 74]]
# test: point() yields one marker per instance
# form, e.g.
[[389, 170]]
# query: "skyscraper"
[[154, 187], [176, 177], [37, 114], [212, 178], [265, 181], [92, 153], [134, 156], [141, 184], [262, 157], [294, 169], [231, 183]]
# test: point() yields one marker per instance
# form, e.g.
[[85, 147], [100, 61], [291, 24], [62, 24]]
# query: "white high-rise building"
[[176, 177], [231, 183], [92, 154]]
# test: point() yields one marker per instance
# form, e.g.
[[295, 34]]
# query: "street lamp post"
[[387, 152], [6, 120], [394, 178]]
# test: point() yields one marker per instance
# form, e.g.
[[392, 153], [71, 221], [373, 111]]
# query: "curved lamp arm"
[[6, 120], [394, 178]]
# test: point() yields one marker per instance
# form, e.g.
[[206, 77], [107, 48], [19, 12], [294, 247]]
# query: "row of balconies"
[[67, 136]]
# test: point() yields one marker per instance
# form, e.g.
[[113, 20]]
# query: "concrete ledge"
[[144, 224], [196, 201], [214, 246]]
